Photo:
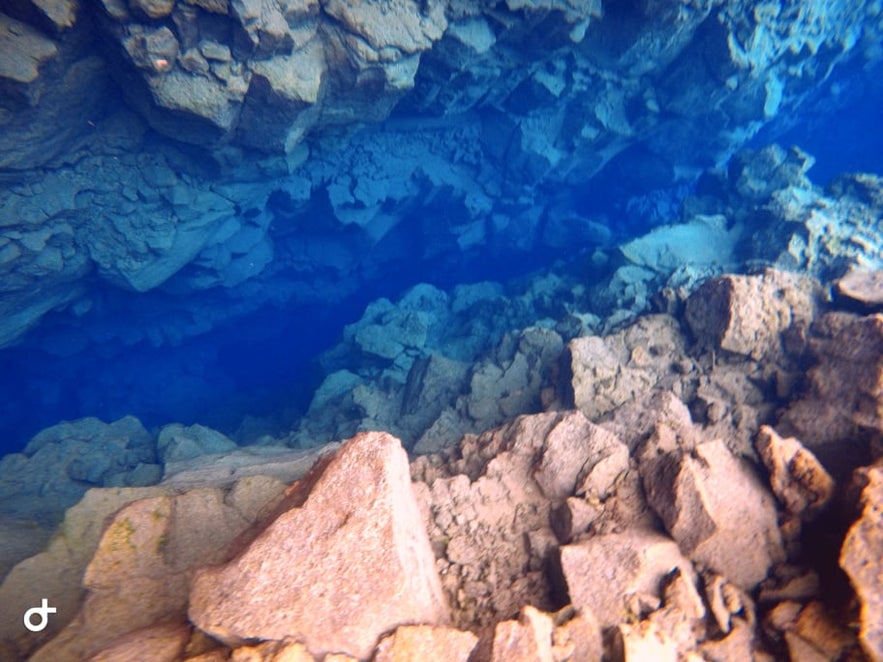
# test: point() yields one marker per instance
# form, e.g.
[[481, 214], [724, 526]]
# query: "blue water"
[[263, 363]]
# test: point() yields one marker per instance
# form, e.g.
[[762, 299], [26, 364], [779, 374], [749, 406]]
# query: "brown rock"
[[843, 406], [160, 643], [577, 635], [628, 365], [425, 642], [815, 636], [609, 573], [140, 573], [716, 509], [529, 639], [862, 558], [798, 479], [763, 317], [580, 457], [490, 522], [336, 573]]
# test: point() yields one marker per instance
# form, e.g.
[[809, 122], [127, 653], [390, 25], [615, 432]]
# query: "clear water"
[[262, 364]]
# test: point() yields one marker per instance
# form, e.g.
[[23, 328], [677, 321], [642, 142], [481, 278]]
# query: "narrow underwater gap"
[[261, 365], [827, 127]]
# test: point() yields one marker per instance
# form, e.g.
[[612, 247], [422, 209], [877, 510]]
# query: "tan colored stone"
[[762, 317], [608, 573], [413, 643], [57, 572], [644, 641], [797, 478], [159, 643], [715, 507], [863, 286], [352, 562], [140, 573], [606, 374], [579, 457], [529, 639]]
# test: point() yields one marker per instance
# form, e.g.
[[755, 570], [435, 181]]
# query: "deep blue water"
[[263, 363]]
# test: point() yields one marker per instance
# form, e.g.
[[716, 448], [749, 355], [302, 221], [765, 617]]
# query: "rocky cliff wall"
[[228, 154]]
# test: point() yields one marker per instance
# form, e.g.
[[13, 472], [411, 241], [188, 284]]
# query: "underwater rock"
[[60, 463], [843, 406], [860, 557], [58, 570], [866, 287], [630, 364], [141, 570], [357, 561], [716, 509], [426, 642], [176, 443], [764, 317], [614, 575], [797, 478]]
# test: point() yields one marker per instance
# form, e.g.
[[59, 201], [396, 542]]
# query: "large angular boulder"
[[762, 317], [716, 509], [615, 575], [348, 561]]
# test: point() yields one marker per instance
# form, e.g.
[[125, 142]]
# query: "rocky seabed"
[[690, 469]]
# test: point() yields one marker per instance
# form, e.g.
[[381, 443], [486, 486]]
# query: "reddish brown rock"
[[862, 558], [612, 575], [716, 509], [797, 478], [350, 564], [762, 317]]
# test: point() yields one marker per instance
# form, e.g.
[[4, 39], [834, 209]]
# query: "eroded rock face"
[[844, 402], [500, 116], [356, 562], [861, 556], [758, 316]]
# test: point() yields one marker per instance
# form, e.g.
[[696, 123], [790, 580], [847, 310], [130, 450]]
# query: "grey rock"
[[176, 442]]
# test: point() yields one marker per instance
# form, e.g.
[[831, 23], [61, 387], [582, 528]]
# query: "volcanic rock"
[[425, 642], [618, 574], [349, 562], [797, 478], [716, 509], [763, 317], [843, 405], [862, 558]]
